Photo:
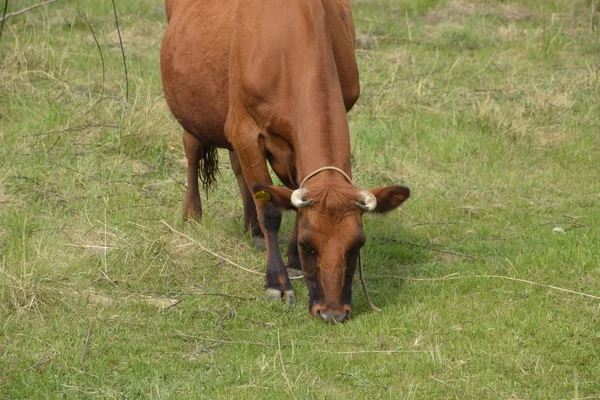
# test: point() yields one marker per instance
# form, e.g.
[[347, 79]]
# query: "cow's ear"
[[278, 195], [389, 198]]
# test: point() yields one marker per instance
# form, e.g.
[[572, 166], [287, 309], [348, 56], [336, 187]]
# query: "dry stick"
[[54, 144], [23, 11], [3, 17], [213, 253], [186, 336], [408, 27], [101, 56], [73, 129], [454, 253], [370, 351], [41, 363], [364, 285], [593, 6], [209, 251], [169, 292], [122, 53], [171, 306], [283, 367], [85, 348], [230, 314], [77, 172], [448, 278]]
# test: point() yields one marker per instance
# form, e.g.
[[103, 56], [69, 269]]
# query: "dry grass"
[[487, 110], [458, 10]]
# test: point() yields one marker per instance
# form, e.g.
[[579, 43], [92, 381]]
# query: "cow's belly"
[[194, 68]]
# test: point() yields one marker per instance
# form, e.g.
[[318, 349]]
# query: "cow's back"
[[195, 58], [194, 65]]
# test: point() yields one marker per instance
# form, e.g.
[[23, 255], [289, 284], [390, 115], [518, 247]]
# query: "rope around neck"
[[360, 264], [315, 172]]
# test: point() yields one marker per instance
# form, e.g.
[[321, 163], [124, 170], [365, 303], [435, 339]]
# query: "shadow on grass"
[[390, 250], [387, 253]]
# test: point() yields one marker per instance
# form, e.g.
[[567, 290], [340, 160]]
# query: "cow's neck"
[[323, 137]]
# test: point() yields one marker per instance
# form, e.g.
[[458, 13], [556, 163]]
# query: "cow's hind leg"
[[194, 151], [250, 217]]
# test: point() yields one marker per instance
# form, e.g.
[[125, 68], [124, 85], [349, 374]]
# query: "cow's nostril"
[[325, 316], [334, 316], [344, 317], [341, 317]]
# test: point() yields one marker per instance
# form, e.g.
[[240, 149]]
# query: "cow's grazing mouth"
[[331, 315], [272, 82], [329, 236]]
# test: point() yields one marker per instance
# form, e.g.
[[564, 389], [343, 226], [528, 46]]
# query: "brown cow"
[[272, 80]]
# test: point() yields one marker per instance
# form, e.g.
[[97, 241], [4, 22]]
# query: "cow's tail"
[[209, 168]]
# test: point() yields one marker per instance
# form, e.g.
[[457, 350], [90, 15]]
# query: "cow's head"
[[330, 236]]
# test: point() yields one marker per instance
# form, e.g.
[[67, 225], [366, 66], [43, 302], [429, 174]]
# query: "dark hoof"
[[287, 296], [273, 294], [192, 216], [192, 208]]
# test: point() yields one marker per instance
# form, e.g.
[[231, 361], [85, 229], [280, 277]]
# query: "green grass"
[[488, 111]]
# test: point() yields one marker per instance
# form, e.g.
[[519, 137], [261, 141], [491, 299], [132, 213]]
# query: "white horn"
[[298, 198], [368, 199]]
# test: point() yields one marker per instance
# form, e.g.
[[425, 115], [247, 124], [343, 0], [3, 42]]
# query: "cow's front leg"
[[251, 154], [278, 283], [294, 266]]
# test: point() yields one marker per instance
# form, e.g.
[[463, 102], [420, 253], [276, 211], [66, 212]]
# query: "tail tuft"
[[209, 168]]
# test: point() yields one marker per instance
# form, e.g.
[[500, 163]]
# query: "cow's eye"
[[307, 247]]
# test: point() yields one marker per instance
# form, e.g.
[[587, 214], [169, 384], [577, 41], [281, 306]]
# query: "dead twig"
[[215, 254], [23, 11], [73, 129], [454, 253], [74, 170], [171, 306], [230, 314], [592, 13], [285, 377], [53, 144], [122, 53], [576, 226], [437, 223], [508, 278], [41, 363], [370, 351], [212, 253], [169, 292], [84, 17], [186, 336], [3, 17], [85, 349]]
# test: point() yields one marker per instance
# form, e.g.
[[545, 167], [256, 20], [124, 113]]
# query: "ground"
[[488, 277]]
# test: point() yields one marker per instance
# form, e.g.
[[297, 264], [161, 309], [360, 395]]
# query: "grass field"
[[488, 277]]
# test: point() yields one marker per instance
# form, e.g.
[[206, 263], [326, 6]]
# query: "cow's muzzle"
[[331, 314]]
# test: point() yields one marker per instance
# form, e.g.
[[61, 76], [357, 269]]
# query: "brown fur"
[[272, 80]]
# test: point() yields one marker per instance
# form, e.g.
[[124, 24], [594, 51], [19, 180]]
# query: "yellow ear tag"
[[262, 195]]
